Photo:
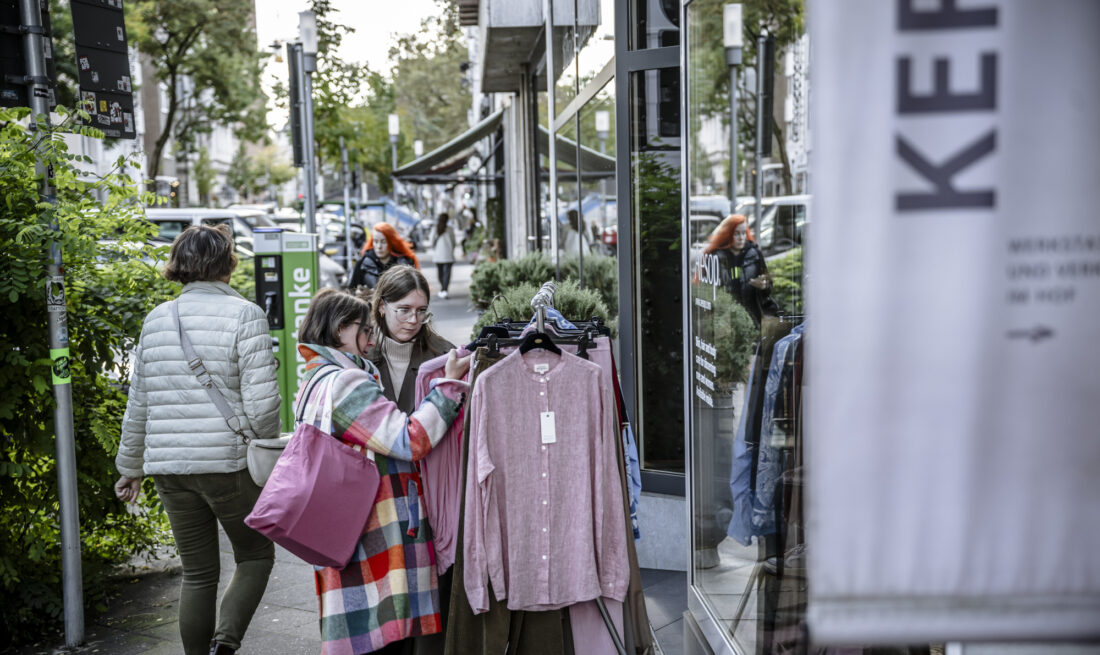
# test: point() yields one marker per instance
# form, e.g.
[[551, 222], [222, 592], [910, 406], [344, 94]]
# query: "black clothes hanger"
[[538, 340], [498, 330], [586, 340]]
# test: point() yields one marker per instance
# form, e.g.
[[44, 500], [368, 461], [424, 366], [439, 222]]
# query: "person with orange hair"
[[384, 249], [742, 267]]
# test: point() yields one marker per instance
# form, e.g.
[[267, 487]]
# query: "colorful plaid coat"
[[389, 590]]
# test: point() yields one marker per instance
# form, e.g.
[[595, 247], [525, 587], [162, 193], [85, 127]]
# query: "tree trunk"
[[166, 129], [781, 147]]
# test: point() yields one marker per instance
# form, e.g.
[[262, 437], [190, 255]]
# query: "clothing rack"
[[540, 302], [543, 299]]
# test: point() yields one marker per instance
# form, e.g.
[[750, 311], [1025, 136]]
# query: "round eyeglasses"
[[410, 315]]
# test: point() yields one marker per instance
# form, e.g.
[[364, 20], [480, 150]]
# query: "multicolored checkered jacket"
[[389, 590]]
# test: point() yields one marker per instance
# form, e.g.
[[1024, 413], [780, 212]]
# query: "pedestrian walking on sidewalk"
[[384, 249], [174, 432], [443, 252], [387, 598], [742, 268]]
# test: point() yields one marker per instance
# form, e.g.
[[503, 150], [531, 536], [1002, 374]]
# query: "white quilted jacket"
[[170, 425]]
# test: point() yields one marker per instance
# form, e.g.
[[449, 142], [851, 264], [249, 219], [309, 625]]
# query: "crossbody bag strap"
[[303, 399], [206, 381], [326, 403]]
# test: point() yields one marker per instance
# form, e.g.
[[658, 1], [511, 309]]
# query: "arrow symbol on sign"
[[1036, 334]]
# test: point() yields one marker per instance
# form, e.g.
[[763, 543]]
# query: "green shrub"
[[786, 272], [572, 301], [109, 290], [490, 279]]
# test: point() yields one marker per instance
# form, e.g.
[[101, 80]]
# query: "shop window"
[[656, 216], [654, 24]]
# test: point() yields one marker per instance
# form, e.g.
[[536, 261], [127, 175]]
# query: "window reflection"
[[655, 208], [746, 334], [654, 24]]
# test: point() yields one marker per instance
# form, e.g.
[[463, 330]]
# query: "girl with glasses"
[[405, 340], [387, 598]]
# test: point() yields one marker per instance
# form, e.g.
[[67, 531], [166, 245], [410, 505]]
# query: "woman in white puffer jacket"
[[172, 431]]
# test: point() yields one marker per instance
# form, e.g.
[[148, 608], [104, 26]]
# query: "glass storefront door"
[[744, 361]]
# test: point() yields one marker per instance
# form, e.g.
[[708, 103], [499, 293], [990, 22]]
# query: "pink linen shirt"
[[544, 520], [441, 471]]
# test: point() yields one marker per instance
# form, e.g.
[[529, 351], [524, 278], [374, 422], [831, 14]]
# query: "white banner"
[[953, 273]]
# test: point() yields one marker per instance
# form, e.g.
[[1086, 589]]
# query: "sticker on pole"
[[60, 367]]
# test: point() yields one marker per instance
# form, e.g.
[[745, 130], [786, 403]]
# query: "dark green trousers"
[[196, 504]]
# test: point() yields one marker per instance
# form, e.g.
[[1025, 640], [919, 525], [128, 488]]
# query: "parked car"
[[783, 224], [170, 222], [714, 205], [288, 219], [335, 242]]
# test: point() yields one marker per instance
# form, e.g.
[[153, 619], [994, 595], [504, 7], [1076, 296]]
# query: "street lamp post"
[[603, 130], [418, 149], [307, 32], [761, 131], [395, 131], [732, 39]]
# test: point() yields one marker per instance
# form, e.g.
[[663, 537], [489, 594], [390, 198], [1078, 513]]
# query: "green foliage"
[[430, 88], [204, 176], [709, 72], [786, 273], [212, 43], [490, 279], [660, 305], [111, 283], [601, 274], [572, 301], [243, 279]]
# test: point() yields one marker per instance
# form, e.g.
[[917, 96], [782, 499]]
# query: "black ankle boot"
[[220, 649]]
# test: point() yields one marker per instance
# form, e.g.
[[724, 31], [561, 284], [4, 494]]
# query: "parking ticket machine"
[[286, 281]]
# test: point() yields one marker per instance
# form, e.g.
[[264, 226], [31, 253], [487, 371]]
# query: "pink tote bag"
[[316, 502]]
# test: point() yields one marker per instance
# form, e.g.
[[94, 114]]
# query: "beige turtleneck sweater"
[[397, 356]]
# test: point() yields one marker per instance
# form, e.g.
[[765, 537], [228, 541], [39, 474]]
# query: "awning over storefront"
[[591, 160], [449, 157]]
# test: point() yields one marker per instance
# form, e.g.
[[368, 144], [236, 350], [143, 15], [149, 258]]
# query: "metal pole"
[[57, 324], [551, 150], [582, 226], [306, 78], [347, 206], [733, 137], [760, 118]]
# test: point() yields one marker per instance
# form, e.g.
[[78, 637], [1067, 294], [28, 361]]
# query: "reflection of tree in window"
[[660, 334]]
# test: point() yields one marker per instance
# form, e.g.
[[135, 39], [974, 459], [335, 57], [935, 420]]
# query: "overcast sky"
[[375, 21]]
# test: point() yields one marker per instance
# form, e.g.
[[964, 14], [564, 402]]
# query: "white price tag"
[[549, 432]]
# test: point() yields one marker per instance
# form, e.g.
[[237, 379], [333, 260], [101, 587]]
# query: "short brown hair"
[[330, 311], [201, 253]]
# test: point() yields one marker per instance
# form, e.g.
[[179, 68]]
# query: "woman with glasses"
[[387, 598], [404, 335], [384, 249], [405, 340]]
